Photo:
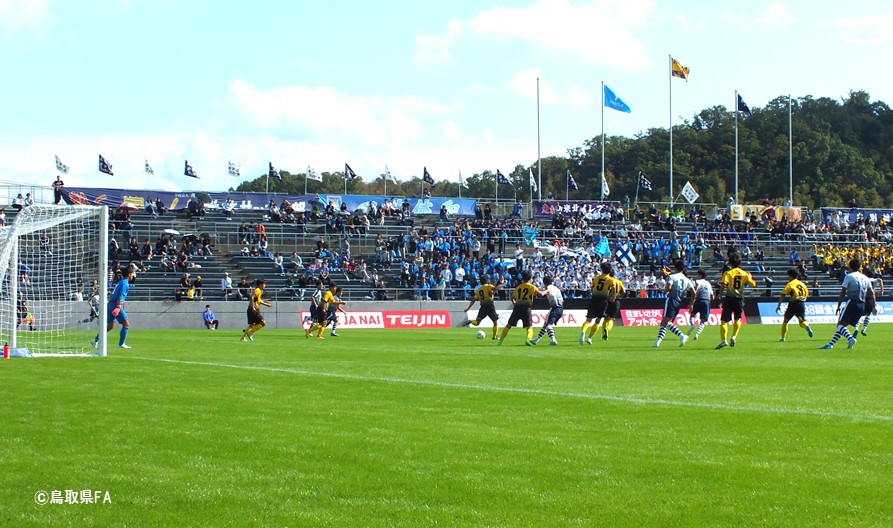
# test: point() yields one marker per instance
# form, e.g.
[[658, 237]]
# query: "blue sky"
[[450, 86]]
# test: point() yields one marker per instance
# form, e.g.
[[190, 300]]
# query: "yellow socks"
[[736, 327]]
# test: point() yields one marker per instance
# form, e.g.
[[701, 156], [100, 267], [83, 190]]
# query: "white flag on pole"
[[312, 175], [689, 193], [462, 180], [606, 191], [532, 181], [388, 176], [233, 169]]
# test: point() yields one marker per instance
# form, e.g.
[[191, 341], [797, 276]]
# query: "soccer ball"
[[481, 334]]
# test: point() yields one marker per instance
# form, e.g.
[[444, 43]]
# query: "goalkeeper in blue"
[[115, 308]]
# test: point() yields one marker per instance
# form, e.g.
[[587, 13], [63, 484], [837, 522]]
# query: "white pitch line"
[[541, 392]]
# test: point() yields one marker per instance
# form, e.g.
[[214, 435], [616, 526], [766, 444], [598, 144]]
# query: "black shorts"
[[485, 311], [732, 306], [851, 314], [597, 307], [795, 309], [612, 309], [869, 307], [521, 312], [255, 317], [318, 313]]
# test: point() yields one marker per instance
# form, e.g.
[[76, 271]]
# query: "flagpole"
[[567, 185], [670, 83], [790, 154], [539, 157], [602, 195], [497, 188], [636, 199], [460, 184], [268, 182], [736, 146], [306, 174], [386, 172]]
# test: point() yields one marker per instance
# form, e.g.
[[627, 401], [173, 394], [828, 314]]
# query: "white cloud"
[[599, 32], [18, 15], [376, 121], [433, 50], [776, 15], [867, 30], [524, 84]]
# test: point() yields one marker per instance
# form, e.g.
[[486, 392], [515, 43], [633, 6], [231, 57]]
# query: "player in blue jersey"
[[115, 308]]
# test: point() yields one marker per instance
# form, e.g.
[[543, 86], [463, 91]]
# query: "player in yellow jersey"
[[732, 284], [602, 289], [329, 304], [612, 309], [485, 294], [255, 317], [522, 300], [798, 292]]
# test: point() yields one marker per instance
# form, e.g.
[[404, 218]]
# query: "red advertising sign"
[[652, 317], [391, 319]]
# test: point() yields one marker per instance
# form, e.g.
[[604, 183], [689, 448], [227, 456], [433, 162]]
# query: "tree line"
[[842, 154]]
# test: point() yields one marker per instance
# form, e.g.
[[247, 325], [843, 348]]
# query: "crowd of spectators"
[[446, 258]]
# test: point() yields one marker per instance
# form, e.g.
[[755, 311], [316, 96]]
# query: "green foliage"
[[841, 152]]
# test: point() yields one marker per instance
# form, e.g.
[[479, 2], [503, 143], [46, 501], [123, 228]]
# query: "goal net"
[[53, 267]]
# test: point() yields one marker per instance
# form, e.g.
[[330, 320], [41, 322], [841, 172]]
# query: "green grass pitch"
[[437, 428]]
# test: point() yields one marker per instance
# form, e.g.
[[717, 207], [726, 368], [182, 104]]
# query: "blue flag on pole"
[[571, 183], [612, 101], [426, 176], [105, 166], [349, 174], [644, 182], [742, 106], [501, 179]]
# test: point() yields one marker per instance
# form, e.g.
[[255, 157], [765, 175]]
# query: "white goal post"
[[53, 260]]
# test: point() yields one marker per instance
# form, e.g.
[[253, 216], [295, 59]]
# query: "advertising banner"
[[174, 201], [572, 207], [418, 206], [570, 317], [821, 312], [652, 317], [770, 212], [851, 216], [391, 319], [244, 201]]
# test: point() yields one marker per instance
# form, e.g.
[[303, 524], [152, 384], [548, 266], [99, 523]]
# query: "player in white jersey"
[[556, 310], [677, 285], [700, 304], [856, 290], [877, 284]]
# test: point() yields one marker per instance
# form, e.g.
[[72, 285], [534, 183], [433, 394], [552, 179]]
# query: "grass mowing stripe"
[[524, 390]]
